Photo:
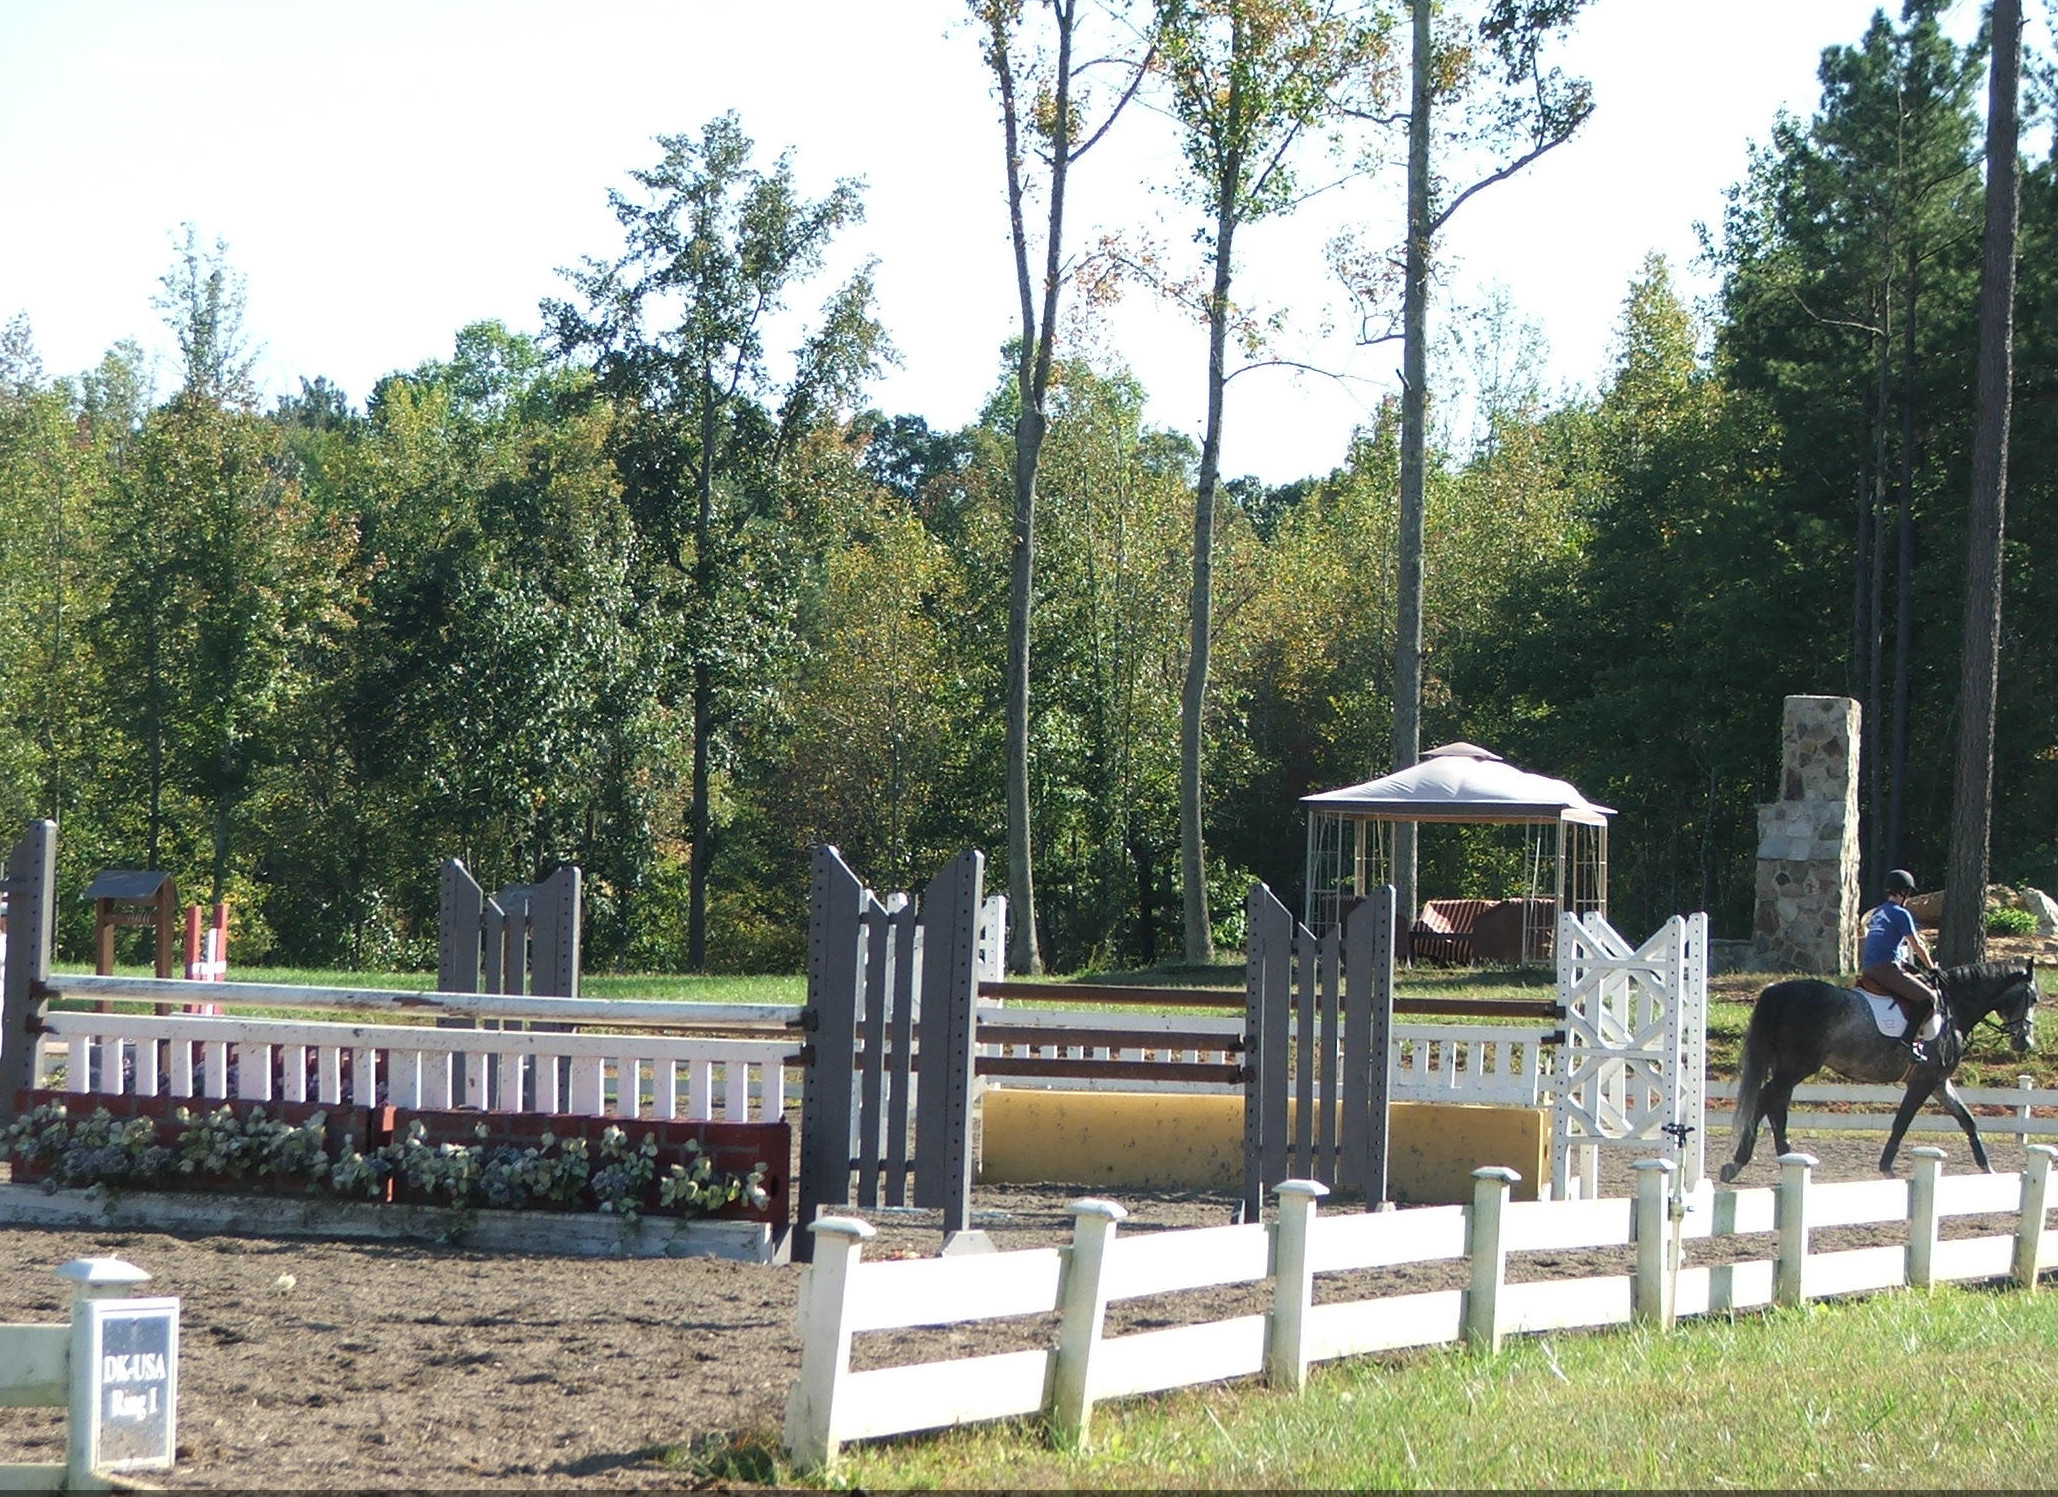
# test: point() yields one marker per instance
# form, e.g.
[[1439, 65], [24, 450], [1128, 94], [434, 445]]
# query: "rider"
[[1890, 936]]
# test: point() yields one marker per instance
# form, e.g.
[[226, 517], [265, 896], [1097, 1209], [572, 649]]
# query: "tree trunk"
[[1963, 938], [1407, 675], [1024, 955], [1200, 939], [1904, 583], [1873, 752]]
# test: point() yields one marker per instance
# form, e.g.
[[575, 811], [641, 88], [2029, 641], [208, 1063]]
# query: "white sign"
[[132, 1346]]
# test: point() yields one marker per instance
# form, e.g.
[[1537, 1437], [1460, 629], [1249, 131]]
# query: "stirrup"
[[1919, 1048]]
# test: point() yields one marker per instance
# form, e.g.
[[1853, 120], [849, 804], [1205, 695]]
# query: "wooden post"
[[31, 923], [812, 1436], [1367, 1042], [835, 905], [554, 919], [943, 1101], [2025, 1112], [457, 931], [1795, 1169], [1654, 1228], [1082, 1315], [1489, 1256], [1268, 1018], [2029, 1233], [1293, 1284], [1922, 1216]]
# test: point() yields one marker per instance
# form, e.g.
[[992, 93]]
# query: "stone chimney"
[[1807, 910]]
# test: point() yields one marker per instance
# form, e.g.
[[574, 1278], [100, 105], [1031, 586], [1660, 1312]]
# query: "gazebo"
[[1565, 851]]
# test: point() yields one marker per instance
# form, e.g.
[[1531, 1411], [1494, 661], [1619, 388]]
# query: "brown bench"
[[1443, 933]]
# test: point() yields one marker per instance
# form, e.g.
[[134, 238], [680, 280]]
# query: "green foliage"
[[2011, 922]]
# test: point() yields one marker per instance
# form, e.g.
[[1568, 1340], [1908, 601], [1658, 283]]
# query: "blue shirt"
[[1887, 930]]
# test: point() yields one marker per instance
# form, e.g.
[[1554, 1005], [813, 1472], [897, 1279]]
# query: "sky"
[[385, 172]]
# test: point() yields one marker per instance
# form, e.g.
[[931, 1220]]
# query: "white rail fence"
[[843, 1296], [623, 1075], [1871, 1109]]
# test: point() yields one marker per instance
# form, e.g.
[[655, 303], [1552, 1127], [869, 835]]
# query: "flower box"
[[734, 1148], [355, 1122]]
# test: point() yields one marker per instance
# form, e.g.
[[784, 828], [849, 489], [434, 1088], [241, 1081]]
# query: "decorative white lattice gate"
[[1633, 1066]]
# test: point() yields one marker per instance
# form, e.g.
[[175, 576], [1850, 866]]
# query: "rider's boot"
[[1918, 1049]]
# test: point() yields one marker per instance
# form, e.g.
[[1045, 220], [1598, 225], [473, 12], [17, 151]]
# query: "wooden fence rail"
[[843, 1296]]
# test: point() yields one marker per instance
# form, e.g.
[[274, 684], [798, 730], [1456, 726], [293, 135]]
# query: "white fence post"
[[2029, 1233], [1653, 1299], [1794, 1171], [2025, 1084], [1489, 1257], [1082, 1313], [811, 1431], [1922, 1216], [1293, 1284]]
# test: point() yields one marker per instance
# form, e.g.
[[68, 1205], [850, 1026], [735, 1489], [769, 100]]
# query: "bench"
[[1443, 932]]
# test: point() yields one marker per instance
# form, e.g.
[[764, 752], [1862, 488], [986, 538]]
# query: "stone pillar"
[[1807, 909]]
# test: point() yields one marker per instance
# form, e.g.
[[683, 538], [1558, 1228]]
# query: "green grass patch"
[[1901, 1390]]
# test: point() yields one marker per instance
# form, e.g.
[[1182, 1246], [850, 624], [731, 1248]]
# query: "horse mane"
[[1984, 972]]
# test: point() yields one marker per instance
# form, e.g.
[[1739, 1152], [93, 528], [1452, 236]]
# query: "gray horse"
[[1799, 1027]]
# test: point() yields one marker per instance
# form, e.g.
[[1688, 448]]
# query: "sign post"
[[125, 1372]]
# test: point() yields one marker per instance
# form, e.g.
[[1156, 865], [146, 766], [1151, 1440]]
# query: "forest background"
[[521, 602]]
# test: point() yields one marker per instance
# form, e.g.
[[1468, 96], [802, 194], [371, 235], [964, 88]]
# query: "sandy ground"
[[351, 1366]]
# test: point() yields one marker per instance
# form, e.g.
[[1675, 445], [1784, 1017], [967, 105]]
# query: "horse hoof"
[[1730, 1171]]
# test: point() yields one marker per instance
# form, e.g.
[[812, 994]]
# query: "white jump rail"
[[842, 1296], [613, 1013], [628, 1075], [1486, 1063]]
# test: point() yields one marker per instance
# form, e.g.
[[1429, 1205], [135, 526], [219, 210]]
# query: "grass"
[[1902, 1390]]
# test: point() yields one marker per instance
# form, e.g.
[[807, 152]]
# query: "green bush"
[[2011, 923]]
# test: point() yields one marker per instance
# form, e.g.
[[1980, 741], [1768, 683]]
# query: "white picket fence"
[[842, 1296], [624, 1075]]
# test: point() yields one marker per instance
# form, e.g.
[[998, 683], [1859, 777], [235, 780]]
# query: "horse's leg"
[[1955, 1106], [1920, 1084], [1779, 1095]]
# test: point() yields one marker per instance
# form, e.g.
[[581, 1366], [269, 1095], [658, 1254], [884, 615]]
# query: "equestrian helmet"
[[1900, 881]]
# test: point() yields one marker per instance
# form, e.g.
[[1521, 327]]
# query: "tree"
[[675, 330], [1062, 139], [1963, 936], [1513, 112], [1250, 81]]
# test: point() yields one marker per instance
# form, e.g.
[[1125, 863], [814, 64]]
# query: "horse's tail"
[[1757, 1063]]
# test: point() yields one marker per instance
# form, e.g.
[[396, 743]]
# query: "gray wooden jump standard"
[[1317, 1109], [891, 989], [31, 927]]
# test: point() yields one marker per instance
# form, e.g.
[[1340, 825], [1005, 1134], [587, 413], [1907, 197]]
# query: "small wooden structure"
[[127, 896], [1565, 858]]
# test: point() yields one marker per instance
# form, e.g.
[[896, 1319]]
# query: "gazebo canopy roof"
[[1461, 782]]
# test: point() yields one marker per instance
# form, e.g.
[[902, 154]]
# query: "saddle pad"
[[1891, 1022]]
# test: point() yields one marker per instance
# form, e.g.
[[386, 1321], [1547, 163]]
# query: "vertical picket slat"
[[907, 976], [1327, 1123], [834, 903], [1307, 1044], [875, 931]]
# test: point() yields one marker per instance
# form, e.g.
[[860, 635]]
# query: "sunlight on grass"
[[1898, 1390]]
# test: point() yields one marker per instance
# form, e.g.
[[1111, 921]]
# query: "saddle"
[[1889, 1019]]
